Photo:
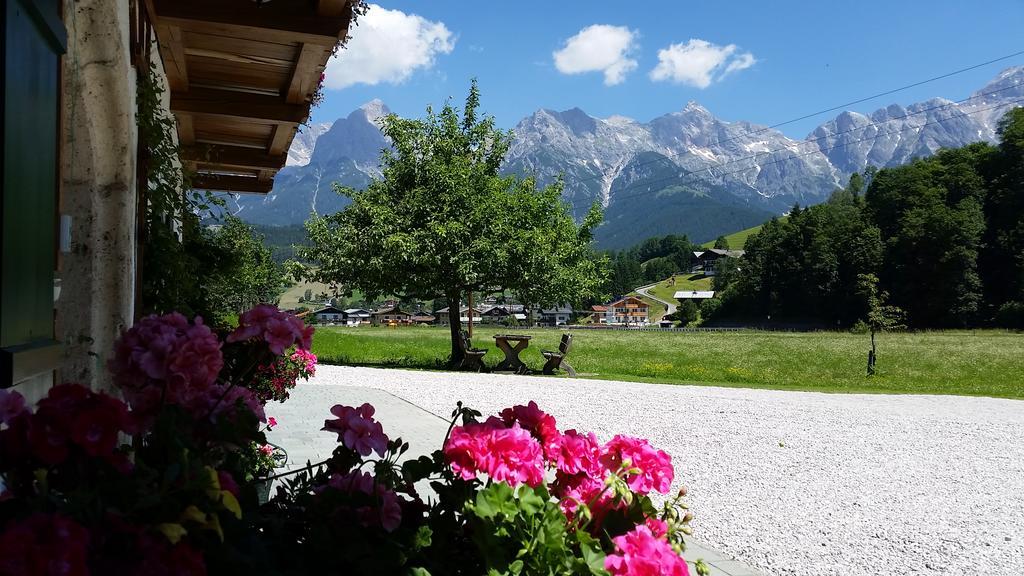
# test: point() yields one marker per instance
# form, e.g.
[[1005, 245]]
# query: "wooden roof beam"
[[238, 105], [306, 75], [224, 183], [233, 157], [278, 21]]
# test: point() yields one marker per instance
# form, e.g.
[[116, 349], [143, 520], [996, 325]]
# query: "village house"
[[706, 262], [390, 315], [421, 317], [557, 316], [357, 316], [329, 315], [598, 314], [502, 313], [628, 311], [443, 318]]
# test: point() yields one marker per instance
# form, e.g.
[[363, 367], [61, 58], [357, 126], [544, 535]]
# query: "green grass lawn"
[[738, 239], [667, 292], [983, 363]]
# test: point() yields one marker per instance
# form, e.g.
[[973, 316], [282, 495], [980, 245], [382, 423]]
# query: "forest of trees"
[[944, 235], [651, 261]]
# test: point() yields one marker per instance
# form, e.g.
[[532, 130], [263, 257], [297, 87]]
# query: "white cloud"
[[388, 46], [599, 48], [699, 63]]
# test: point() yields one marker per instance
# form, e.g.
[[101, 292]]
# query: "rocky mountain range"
[[683, 172]]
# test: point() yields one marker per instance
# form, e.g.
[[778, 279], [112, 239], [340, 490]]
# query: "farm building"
[[706, 262], [628, 311]]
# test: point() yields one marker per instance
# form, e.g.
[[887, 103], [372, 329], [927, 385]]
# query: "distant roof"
[[357, 311], [330, 310], [694, 294], [722, 252], [621, 300], [391, 310], [599, 308]]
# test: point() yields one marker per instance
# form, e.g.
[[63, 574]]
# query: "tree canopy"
[[442, 222]]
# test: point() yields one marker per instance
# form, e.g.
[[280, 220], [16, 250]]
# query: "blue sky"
[[765, 62]]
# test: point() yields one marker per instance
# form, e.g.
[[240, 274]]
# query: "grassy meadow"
[[981, 363], [667, 291]]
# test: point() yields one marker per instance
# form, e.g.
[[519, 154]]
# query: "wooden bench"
[[556, 360], [472, 358]]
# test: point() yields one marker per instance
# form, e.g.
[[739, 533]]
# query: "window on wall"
[[33, 41]]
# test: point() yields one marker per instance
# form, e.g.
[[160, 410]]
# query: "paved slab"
[[301, 418]]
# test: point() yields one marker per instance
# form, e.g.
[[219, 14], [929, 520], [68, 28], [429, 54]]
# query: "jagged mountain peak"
[[371, 111]]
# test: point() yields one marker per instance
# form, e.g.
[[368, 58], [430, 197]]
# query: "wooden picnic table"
[[511, 345]]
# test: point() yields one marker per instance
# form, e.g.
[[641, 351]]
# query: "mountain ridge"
[[724, 172]]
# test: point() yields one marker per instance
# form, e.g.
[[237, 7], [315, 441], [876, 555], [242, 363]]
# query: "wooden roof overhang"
[[242, 76]]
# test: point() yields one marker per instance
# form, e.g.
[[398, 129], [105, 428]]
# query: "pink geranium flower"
[[504, 454], [12, 405], [278, 329], [641, 553], [44, 544], [654, 467], [538, 423], [578, 454], [357, 429]]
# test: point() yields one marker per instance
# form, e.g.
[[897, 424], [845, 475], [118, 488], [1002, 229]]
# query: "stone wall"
[[99, 189]]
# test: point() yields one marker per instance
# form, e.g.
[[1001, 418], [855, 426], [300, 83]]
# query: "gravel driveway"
[[796, 482]]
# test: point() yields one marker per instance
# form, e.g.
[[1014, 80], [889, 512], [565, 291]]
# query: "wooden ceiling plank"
[[278, 19], [282, 139], [186, 130], [238, 58], [238, 105], [332, 7], [310, 59], [257, 48], [225, 183], [233, 156]]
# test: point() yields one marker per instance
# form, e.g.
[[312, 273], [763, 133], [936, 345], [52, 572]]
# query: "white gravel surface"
[[796, 482]]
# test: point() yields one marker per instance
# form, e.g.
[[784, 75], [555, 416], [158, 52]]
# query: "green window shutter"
[[33, 39]]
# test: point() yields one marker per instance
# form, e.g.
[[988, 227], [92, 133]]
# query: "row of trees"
[[944, 236]]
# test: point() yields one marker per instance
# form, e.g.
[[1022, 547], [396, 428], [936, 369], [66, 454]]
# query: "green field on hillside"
[[737, 240], [982, 363], [666, 289]]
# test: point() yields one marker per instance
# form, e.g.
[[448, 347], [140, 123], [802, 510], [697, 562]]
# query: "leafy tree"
[[1001, 263], [246, 274], [722, 243], [688, 313], [880, 315], [442, 222], [930, 212]]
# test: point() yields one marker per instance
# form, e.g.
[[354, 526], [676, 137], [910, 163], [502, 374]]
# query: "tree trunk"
[[455, 324]]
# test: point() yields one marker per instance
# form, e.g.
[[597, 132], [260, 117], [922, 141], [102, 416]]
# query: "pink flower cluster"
[[278, 329], [165, 358], [645, 552], [274, 381], [71, 419], [525, 441], [357, 429], [388, 513], [505, 454]]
